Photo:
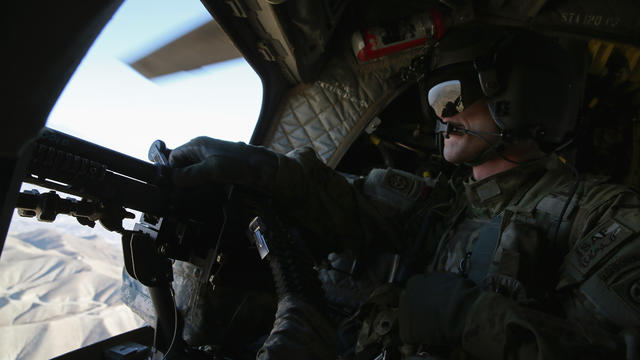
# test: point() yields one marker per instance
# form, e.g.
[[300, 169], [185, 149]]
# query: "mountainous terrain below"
[[59, 291]]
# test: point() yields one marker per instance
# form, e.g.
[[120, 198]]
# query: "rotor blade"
[[205, 45]]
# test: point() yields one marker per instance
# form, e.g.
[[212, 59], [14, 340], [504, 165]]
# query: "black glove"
[[299, 331], [434, 309], [203, 161]]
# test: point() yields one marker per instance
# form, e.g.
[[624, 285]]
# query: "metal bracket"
[[257, 229]]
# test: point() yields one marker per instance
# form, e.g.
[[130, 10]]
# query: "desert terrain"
[[59, 289]]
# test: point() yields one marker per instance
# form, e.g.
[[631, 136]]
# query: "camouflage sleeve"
[[336, 212], [599, 282], [498, 328], [602, 268]]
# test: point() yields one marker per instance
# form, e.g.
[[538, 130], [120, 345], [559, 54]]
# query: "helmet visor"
[[452, 89], [445, 98]]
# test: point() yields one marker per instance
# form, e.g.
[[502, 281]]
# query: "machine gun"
[[108, 183], [174, 225]]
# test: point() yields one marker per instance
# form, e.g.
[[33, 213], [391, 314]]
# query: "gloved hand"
[[299, 331], [203, 161], [434, 309]]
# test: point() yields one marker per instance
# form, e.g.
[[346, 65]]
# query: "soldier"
[[525, 259]]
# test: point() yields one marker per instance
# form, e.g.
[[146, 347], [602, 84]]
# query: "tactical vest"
[[523, 249], [517, 250]]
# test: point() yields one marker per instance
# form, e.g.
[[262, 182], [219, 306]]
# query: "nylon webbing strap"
[[483, 250]]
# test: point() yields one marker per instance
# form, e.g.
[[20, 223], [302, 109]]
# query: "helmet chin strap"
[[493, 151]]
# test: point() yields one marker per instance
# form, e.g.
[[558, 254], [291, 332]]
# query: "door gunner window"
[[60, 282]]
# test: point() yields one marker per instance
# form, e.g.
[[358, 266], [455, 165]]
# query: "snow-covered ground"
[[59, 289]]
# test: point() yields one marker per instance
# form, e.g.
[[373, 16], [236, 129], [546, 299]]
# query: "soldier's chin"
[[453, 157], [459, 153]]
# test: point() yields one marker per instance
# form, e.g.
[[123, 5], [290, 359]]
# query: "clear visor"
[[446, 98]]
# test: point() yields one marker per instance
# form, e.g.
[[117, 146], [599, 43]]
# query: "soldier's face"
[[460, 148]]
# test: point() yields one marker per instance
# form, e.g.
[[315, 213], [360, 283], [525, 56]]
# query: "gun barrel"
[[74, 166], [65, 163], [113, 160]]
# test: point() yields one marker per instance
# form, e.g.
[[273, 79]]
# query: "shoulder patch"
[[597, 245], [615, 289]]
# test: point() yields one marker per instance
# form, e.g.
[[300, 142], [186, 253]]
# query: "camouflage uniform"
[[557, 285]]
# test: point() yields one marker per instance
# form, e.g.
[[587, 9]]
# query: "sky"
[[109, 103]]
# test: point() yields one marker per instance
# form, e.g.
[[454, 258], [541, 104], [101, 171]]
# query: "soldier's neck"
[[517, 153], [491, 167]]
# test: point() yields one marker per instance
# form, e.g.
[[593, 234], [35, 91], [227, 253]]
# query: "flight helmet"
[[526, 79]]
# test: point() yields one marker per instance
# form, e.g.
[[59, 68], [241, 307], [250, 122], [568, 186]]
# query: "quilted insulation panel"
[[329, 114]]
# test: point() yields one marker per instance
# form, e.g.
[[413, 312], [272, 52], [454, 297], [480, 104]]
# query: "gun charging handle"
[[159, 153]]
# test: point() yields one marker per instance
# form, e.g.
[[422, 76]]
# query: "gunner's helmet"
[[526, 79]]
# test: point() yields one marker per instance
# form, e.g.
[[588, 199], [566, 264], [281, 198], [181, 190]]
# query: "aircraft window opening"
[[61, 282]]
